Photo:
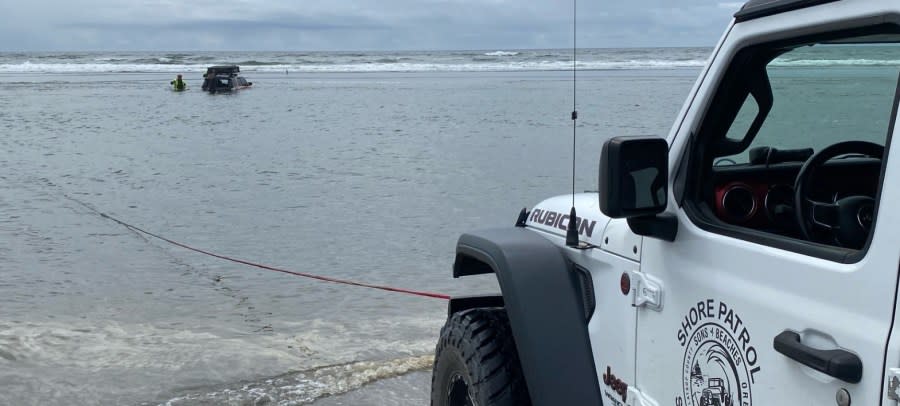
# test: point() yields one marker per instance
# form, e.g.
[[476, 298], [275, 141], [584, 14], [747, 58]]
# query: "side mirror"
[[634, 175]]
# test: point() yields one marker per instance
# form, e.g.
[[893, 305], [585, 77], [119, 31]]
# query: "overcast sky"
[[303, 25]]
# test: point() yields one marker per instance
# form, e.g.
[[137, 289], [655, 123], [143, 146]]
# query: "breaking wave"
[[199, 367], [410, 61], [837, 62], [305, 386], [28, 67], [381, 65], [501, 53]]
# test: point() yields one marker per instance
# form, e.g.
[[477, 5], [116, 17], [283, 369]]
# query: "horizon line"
[[353, 50]]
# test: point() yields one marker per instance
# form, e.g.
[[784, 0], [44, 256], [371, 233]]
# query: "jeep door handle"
[[840, 364]]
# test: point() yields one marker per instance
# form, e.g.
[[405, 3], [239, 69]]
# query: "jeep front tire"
[[476, 362]]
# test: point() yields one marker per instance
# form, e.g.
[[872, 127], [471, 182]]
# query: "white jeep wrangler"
[[750, 258]]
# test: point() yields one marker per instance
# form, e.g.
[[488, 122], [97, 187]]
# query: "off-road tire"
[[476, 363]]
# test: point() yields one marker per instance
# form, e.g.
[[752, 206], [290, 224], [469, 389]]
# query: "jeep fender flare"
[[543, 301]]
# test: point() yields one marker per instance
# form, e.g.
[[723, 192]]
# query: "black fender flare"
[[543, 300]]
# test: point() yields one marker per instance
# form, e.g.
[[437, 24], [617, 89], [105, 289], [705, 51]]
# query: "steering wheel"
[[847, 221]]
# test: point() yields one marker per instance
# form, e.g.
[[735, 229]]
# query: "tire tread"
[[483, 339]]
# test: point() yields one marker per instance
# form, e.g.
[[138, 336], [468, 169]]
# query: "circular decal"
[[719, 362]]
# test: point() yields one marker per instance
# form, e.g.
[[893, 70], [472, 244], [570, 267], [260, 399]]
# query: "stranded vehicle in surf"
[[224, 78], [749, 258]]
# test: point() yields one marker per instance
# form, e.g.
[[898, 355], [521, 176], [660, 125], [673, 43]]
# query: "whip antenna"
[[572, 230]]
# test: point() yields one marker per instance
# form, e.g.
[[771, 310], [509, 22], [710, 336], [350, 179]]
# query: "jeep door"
[[767, 299]]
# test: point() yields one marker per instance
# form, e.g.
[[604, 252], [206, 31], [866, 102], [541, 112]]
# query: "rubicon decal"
[[720, 364], [561, 221]]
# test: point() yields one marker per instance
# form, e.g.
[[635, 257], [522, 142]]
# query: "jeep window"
[[823, 94], [778, 105]]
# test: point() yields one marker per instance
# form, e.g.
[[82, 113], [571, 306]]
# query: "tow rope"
[[257, 265]]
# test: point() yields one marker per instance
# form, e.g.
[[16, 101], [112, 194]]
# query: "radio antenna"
[[572, 229]]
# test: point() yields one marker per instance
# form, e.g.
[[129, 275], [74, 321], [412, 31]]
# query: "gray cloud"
[[355, 24]]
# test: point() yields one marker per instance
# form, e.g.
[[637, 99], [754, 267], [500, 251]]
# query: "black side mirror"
[[634, 179], [634, 174]]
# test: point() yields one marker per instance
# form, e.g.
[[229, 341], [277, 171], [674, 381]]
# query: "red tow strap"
[[261, 266]]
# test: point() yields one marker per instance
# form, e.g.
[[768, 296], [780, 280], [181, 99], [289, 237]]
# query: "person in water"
[[178, 84]]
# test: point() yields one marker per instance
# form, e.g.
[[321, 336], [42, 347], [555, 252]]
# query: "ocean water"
[[369, 176], [362, 166]]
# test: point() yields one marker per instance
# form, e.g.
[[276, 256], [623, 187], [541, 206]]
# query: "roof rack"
[[223, 69]]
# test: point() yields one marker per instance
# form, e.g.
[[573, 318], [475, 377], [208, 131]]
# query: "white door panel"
[[726, 303]]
